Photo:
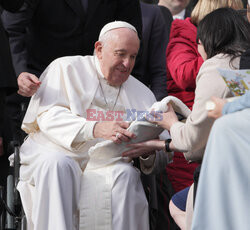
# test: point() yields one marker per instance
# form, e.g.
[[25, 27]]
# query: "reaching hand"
[[113, 130], [28, 84], [217, 111], [147, 147], [165, 120]]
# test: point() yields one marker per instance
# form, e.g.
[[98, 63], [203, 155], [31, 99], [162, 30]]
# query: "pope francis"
[[61, 186]]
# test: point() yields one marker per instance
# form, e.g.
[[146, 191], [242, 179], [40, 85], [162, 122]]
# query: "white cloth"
[[56, 120], [222, 200], [106, 152], [127, 198], [180, 15], [49, 179], [177, 104]]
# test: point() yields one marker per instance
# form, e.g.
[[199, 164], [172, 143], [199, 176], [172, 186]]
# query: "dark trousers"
[[11, 116], [16, 107], [4, 158], [164, 193], [2, 105]]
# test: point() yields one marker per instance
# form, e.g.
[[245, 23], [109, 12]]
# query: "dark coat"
[[166, 15], [7, 76], [150, 67], [58, 28]]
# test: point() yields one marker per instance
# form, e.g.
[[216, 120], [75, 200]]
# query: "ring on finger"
[[117, 135]]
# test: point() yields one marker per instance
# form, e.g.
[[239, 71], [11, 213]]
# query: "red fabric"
[[183, 61], [183, 64], [180, 172]]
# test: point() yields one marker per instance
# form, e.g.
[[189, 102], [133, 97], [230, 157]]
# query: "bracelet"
[[167, 142]]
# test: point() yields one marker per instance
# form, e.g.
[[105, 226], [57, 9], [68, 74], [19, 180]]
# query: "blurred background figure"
[[166, 15], [178, 8], [150, 67], [184, 7], [8, 84]]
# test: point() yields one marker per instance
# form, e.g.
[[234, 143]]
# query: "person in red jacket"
[[183, 60]]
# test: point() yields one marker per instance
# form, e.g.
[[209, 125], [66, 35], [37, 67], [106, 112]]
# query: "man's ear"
[[98, 49]]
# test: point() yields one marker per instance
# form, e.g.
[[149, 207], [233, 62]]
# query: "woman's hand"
[[147, 147], [165, 120]]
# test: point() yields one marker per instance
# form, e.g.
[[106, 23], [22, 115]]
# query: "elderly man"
[[81, 102]]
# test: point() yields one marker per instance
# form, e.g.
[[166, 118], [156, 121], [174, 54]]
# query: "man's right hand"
[[113, 130], [28, 84]]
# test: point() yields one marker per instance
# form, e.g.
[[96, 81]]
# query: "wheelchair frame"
[[13, 217]]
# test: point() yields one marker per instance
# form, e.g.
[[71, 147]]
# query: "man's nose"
[[126, 62]]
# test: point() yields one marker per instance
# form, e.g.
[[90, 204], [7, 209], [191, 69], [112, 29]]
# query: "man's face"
[[117, 55], [176, 5]]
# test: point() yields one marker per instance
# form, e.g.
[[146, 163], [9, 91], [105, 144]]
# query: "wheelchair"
[[12, 216]]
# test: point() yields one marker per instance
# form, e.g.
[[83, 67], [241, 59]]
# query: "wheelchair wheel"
[[10, 202], [2, 210], [23, 222], [15, 217]]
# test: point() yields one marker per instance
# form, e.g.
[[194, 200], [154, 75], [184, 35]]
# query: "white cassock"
[[56, 152], [222, 200]]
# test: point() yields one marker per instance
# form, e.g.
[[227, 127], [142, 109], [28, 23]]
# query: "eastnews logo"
[[129, 115]]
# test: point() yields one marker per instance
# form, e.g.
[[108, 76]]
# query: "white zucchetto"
[[115, 25]]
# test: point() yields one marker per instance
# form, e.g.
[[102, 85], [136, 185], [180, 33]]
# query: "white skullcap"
[[115, 25]]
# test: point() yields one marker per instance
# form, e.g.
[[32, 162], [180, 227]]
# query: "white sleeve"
[[64, 128]]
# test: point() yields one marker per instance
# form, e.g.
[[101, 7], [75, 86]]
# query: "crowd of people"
[[78, 82]]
